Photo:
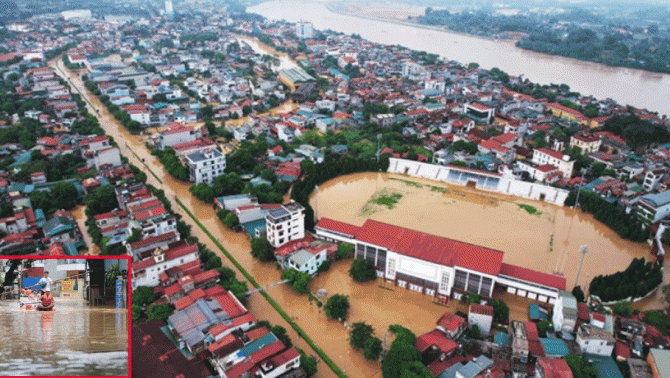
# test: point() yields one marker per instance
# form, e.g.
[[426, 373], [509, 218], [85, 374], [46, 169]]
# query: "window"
[[460, 279], [444, 281]]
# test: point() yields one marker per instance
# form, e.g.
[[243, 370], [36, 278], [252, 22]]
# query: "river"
[[74, 340], [626, 86]]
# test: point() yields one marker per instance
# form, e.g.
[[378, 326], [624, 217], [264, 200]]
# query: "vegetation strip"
[[143, 163], [272, 302]]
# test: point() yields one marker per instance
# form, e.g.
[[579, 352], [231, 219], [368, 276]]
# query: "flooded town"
[[292, 201]]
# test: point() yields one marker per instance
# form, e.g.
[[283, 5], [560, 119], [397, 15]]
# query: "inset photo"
[[64, 317]]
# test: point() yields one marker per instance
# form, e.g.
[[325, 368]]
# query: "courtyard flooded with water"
[[74, 340]]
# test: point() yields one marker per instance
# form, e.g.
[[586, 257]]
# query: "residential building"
[[234, 201], [451, 325], [205, 165], [480, 111], [306, 260], [160, 354], [482, 316], [304, 30], [594, 340], [587, 143], [285, 224], [542, 156], [659, 361], [176, 133], [565, 312], [147, 271], [653, 207], [652, 179], [552, 368]]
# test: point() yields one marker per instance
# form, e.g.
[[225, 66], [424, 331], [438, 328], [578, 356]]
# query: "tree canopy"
[[362, 270], [337, 306]]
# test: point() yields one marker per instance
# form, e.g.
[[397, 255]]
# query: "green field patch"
[[385, 197], [407, 182], [529, 209], [438, 189]]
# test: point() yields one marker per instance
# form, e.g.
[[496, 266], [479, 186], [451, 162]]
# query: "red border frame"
[[129, 294]]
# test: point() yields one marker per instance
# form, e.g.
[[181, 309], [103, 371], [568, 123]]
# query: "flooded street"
[[73, 340], [80, 216], [547, 241]]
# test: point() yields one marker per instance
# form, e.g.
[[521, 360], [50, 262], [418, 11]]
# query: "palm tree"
[[113, 272]]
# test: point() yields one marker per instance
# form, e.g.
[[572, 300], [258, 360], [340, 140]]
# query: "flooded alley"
[[73, 340]]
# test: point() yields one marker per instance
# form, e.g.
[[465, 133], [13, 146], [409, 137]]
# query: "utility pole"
[[581, 183], [379, 151], [583, 250]]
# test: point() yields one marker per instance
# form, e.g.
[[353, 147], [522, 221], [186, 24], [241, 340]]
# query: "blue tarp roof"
[[535, 313], [501, 338], [250, 227]]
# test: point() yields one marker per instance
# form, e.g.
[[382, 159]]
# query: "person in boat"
[[47, 301]]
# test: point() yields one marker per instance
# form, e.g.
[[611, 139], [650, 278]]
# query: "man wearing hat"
[[47, 301]]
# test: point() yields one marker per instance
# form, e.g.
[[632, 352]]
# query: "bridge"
[[266, 287]]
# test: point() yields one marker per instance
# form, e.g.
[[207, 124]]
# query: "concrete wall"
[[507, 185]]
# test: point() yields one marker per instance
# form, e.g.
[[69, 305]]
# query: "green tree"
[[578, 293], [500, 310], [231, 220], [137, 312], [362, 270], [64, 195], [580, 367], [299, 280], [474, 331], [415, 369], [344, 250], [136, 235], [162, 312], [472, 298], [401, 354], [337, 306], [373, 348], [623, 308], [102, 200], [359, 334], [203, 192], [308, 364], [657, 319], [262, 249], [143, 296], [543, 327]]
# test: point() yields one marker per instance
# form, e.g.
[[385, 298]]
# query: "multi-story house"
[[285, 224], [205, 165], [542, 156]]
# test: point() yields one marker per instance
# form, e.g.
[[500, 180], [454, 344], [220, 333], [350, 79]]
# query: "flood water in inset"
[[74, 340]]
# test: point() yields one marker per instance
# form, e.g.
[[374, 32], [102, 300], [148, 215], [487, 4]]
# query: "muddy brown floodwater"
[[74, 340], [547, 241]]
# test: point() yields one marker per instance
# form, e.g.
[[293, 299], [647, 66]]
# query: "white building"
[[652, 179], [176, 133], [106, 156], [587, 143], [542, 156], [147, 272], [482, 316], [594, 340], [480, 111], [204, 166], [565, 312], [654, 207], [306, 261], [304, 30], [438, 266], [168, 8], [285, 224]]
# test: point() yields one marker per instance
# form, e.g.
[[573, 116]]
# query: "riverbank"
[[626, 86], [335, 8]]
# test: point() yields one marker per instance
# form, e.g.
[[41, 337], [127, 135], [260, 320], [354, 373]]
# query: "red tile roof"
[[546, 168], [481, 309], [533, 276], [341, 227], [450, 321], [431, 248], [183, 303], [479, 106], [556, 154], [436, 338], [555, 368]]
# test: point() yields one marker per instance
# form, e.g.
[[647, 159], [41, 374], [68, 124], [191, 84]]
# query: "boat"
[[28, 304]]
